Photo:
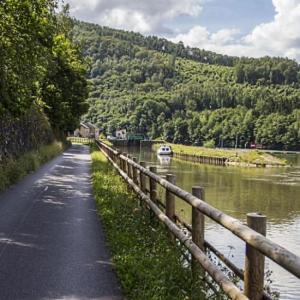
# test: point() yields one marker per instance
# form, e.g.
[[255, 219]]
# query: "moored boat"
[[164, 150]]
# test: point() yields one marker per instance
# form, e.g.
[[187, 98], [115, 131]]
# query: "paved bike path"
[[52, 244]]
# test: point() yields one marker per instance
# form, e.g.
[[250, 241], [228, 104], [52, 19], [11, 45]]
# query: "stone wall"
[[23, 134]]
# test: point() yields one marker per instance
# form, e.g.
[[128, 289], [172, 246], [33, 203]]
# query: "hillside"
[[186, 95]]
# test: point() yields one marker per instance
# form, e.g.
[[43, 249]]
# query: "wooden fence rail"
[[253, 234], [80, 140]]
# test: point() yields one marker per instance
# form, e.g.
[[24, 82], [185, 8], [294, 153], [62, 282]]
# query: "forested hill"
[[186, 95]]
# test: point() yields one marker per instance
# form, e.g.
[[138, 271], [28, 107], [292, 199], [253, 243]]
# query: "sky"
[[234, 27]]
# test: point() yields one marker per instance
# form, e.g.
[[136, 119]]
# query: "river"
[[237, 191]]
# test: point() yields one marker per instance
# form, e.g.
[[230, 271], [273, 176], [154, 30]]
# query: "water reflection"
[[274, 192], [164, 160]]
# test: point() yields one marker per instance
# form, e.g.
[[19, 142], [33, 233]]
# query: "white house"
[[87, 130], [121, 134]]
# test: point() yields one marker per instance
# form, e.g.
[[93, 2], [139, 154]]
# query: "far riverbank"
[[234, 157]]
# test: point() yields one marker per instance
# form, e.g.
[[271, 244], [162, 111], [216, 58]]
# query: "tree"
[[27, 29]]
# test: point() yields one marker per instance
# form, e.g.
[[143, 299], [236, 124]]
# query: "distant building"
[[121, 134], [87, 130]]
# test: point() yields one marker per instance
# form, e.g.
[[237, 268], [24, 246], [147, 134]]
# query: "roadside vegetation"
[[147, 264], [13, 170], [43, 86], [233, 157]]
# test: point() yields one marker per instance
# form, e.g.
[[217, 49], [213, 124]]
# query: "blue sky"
[[218, 14], [235, 27]]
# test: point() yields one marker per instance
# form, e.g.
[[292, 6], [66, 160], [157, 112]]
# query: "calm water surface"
[[236, 191]]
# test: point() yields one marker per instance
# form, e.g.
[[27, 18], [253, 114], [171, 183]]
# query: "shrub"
[[14, 169], [209, 144]]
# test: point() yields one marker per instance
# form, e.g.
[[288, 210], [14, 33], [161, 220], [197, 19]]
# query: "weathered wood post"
[[254, 260], [125, 163], [121, 164], [170, 202], [152, 186], [129, 168], [142, 180], [128, 171], [118, 160], [198, 238], [134, 172], [198, 219]]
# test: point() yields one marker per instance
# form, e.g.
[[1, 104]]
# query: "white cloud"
[[220, 41], [134, 20], [281, 37], [141, 15]]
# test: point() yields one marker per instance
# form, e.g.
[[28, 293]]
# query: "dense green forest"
[[186, 95], [40, 66]]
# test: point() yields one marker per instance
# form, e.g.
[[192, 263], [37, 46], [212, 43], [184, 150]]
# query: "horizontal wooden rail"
[[227, 286], [277, 253], [257, 241], [222, 257], [75, 139]]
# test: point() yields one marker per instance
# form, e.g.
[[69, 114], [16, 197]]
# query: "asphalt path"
[[52, 244]]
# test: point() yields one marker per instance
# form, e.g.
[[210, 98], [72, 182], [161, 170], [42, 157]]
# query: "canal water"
[[237, 191]]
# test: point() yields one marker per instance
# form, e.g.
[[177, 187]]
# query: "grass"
[[234, 156], [147, 264], [13, 170]]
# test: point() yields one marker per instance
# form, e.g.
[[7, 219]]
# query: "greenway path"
[[52, 245]]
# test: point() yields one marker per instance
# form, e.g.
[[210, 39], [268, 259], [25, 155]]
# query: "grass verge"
[[12, 170], [148, 265], [234, 156]]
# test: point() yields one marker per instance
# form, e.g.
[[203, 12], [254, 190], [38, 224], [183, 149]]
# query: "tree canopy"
[[39, 63], [161, 89]]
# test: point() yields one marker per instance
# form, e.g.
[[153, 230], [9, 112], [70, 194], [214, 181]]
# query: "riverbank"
[[13, 170], [148, 265], [234, 157]]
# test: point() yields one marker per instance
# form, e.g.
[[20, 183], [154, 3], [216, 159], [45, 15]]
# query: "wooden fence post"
[[134, 172], [118, 159], [129, 168], [121, 163], [142, 181], [198, 230], [124, 163], [152, 187], [170, 202], [143, 178], [198, 219], [254, 260], [129, 172]]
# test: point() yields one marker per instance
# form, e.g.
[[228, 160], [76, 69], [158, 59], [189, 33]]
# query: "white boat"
[[164, 150]]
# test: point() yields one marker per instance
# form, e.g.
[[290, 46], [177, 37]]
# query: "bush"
[[12, 170], [209, 144]]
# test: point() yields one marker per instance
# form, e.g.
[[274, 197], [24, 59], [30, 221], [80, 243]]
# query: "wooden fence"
[[80, 140], [144, 182]]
